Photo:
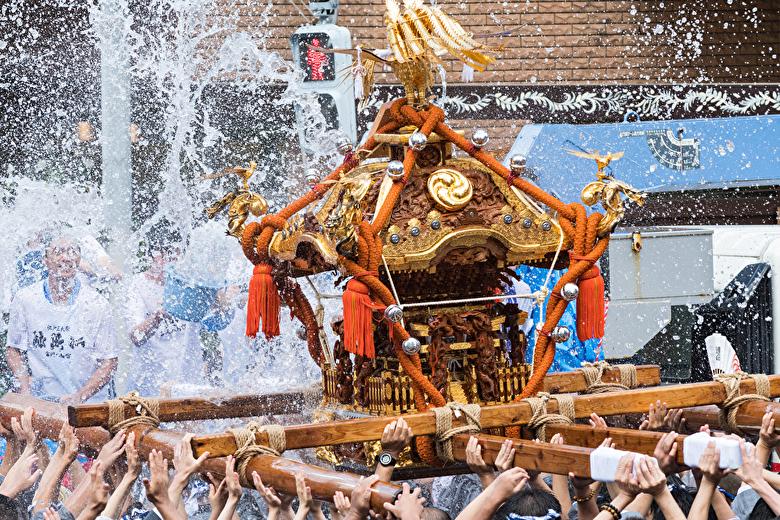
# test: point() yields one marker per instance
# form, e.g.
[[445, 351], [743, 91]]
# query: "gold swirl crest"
[[449, 189]]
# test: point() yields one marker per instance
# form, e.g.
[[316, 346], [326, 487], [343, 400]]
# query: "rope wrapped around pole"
[[540, 418], [247, 448], [730, 405], [593, 372], [148, 410], [445, 431]]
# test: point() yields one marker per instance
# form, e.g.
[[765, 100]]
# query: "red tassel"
[[358, 322], [590, 305], [263, 303]]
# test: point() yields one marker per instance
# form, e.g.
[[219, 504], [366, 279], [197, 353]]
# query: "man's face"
[[62, 258]]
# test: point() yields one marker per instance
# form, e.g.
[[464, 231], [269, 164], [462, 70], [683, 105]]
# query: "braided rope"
[[540, 418], [593, 373], [248, 448], [445, 431], [730, 405], [147, 409]]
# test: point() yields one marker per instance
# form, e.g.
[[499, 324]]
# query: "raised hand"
[[509, 482], [624, 477], [218, 495], [408, 505], [651, 479], [709, 464], [157, 486], [269, 495], [655, 417], [597, 422], [666, 453], [184, 459], [113, 449], [23, 428], [477, 464], [98, 496], [396, 437], [19, 478], [68, 443], [305, 500], [506, 456], [342, 503], [360, 498], [51, 514]]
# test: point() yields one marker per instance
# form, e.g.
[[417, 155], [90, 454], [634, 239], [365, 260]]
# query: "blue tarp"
[[570, 354]]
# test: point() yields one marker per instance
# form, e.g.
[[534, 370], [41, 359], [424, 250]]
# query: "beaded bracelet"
[[612, 510], [581, 500]]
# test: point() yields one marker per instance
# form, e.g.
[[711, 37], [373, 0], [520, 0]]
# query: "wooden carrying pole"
[[551, 458], [510, 414], [748, 416], [638, 441], [192, 409], [275, 471]]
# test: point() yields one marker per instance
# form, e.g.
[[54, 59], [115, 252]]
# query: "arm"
[[18, 363], [98, 496], [19, 478], [711, 475], [751, 473], [186, 465], [114, 506], [477, 464], [141, 333], [100, 377], [340, 507], [218, 495], [233, 487], [66, 453], [653, 481], [12, 450], [157, 487], [487, 503], [272, 500], [305, 501], [585, 495], [768, 438], [560, 484], [395, 438]]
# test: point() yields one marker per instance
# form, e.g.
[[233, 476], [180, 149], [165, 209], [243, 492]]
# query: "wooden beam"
[[638, 441], [551, 458], [192, 409], [574, 381], [510, 414], [275, 471], [748, 416]]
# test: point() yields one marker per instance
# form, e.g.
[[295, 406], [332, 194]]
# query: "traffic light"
[[328, 75]]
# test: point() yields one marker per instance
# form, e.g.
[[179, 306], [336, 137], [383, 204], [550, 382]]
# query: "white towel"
[[604, 463], [694, 445]]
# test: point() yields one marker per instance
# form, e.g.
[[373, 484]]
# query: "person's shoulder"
[[30, 292]]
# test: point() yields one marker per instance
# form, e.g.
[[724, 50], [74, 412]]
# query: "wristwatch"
[[387, 460]]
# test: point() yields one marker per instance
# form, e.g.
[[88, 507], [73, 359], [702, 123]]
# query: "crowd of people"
[[62, 344], [42, 486]]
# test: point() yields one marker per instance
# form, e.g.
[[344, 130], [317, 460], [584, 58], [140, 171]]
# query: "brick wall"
[[669, 41]]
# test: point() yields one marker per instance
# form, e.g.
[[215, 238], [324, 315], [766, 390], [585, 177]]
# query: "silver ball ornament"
[[411, 346], [517, 162], [302, 333], [394, 313], [480, 137], [560, 334], [570, 292], [312, 178], [395, 170], [344, 145], [418, 141]]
